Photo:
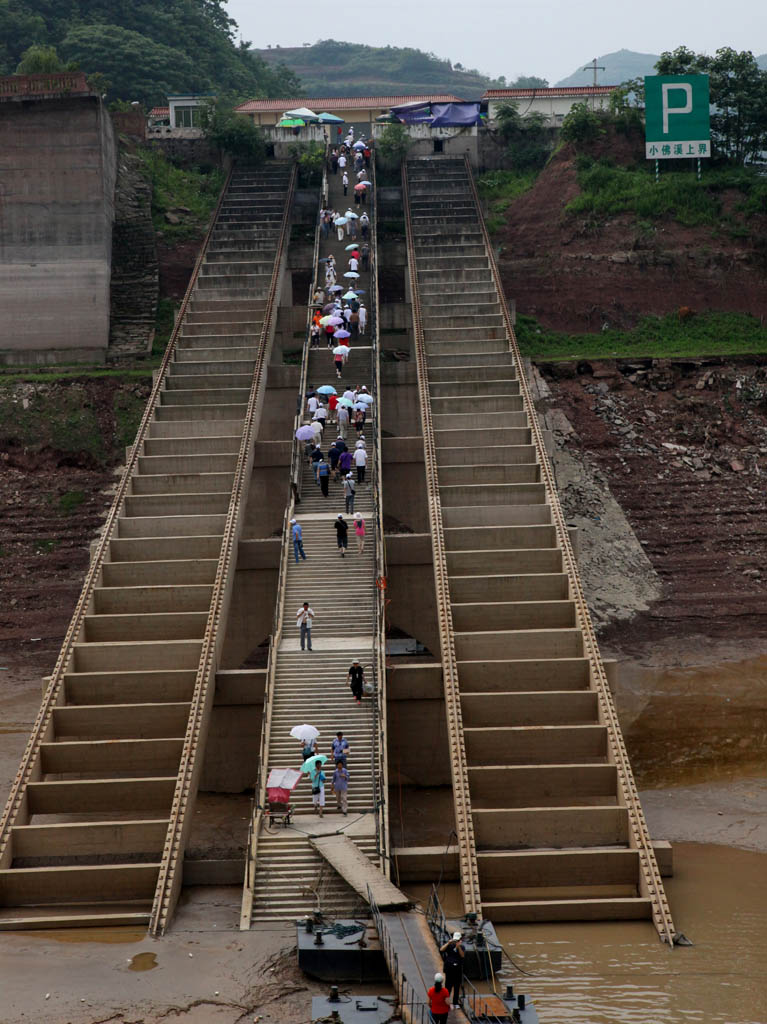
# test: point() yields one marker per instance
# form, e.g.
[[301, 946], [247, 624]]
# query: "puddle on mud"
[[689, 723], [620, 973], [143, 962]]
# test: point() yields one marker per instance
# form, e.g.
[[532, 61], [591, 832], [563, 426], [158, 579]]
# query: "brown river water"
[[617, 973]]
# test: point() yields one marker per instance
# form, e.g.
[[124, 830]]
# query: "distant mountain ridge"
[[332, 68], [618, 67], [621, 66]]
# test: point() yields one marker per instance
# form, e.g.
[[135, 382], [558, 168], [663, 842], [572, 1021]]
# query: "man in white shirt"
[[353, 264], [350, 395], [363, 317], [360, 461], [304, 617], [320, 414], [312, 404], [347, 316], [342, 161]]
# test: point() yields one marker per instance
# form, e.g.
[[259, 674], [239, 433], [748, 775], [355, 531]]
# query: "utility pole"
[[593, 66]]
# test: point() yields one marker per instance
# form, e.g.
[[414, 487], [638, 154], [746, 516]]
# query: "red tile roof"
[[331, 103], [159, 112], [569, 90]]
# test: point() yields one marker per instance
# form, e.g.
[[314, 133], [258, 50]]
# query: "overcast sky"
[[551, 38]]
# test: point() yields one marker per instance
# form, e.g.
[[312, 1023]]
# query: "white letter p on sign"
[[669, 87]]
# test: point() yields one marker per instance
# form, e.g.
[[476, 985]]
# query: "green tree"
[[393, 143], [196, 40], [529, 82], [39, 60], [233, 133], [582, 125], [145, 70], [311, 163], [527, 138], [738, 98]]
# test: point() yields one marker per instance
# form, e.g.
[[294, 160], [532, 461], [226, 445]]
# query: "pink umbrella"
[[360, 187]]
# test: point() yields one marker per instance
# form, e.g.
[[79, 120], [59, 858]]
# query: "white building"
[[180, 119], [553, 103]]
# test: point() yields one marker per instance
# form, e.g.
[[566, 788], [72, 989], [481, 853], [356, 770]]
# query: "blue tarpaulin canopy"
[[438, 115]]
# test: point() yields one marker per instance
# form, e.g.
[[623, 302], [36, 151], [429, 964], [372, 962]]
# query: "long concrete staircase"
[[290, 878], [558, 832], [96, 822]]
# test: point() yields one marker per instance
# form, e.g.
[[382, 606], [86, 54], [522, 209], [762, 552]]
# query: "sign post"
[[677, 123]]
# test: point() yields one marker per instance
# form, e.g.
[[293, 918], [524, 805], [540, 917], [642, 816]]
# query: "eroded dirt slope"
[[575, 273], [684, 448]]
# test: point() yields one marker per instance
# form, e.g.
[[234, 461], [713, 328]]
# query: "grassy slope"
[[702, 334], [728, 204], [329, 68]]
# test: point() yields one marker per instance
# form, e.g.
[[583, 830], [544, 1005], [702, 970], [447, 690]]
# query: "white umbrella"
[[301, 112], [367, 399], [341, 350], [283, 778], [351, 216], [307, 733], [359, 144], [351, 273]]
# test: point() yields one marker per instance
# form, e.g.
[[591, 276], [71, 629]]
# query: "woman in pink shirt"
[[359, 529]]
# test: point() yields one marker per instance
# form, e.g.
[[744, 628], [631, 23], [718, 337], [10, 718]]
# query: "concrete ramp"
[[361, 873]]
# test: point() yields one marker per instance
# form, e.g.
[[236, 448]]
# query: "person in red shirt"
[[439, 1000], [332, 406]]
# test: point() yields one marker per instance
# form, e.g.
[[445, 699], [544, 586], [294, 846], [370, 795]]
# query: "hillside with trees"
[[138, 51], [332, 68]]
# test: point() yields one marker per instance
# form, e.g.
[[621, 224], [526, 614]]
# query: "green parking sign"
[[677, 123]]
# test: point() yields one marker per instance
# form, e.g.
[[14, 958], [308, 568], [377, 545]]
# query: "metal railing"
[[381, 768], [296, 465], [54, 694], [65, 83], [464, 825], [473, 1001], [170, 876], [651, 882], [411, 1008]]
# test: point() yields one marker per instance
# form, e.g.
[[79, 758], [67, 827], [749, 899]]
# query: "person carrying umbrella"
[[317, 779], [356, 680]]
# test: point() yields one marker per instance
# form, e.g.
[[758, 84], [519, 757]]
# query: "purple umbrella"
[[342, 334], [304, 433], [329, 308]]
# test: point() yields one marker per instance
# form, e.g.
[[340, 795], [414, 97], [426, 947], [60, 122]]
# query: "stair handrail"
[[379, 748], [171, 866], [652, 882], [296, 463], [54, 691], [467, 851]]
